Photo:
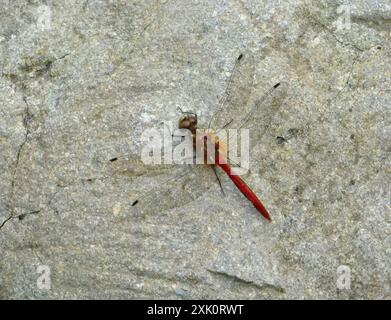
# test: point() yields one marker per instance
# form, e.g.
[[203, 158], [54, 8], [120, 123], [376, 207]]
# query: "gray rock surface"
[[80, 81]]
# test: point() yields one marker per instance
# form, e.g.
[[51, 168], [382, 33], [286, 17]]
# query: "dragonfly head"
[[188, 121]]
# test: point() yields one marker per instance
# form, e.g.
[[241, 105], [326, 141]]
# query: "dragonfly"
[[242, 106]]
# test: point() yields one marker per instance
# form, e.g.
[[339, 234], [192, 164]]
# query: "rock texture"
[[81, 80]]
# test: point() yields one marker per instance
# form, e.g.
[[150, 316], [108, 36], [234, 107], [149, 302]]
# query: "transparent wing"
[[159, 188], [234, 101], [262, 108], [247, 106], [131, 166]]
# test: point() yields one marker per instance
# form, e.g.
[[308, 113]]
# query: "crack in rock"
[[27, 117], [246, 282], [316, 22]]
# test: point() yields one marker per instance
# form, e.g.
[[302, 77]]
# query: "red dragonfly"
[[256, 109]]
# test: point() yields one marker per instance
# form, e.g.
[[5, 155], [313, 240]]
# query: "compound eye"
[[192, 121], [184, 124]]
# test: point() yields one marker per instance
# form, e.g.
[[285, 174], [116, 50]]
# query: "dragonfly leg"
[[227, 124], [218, 180]]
